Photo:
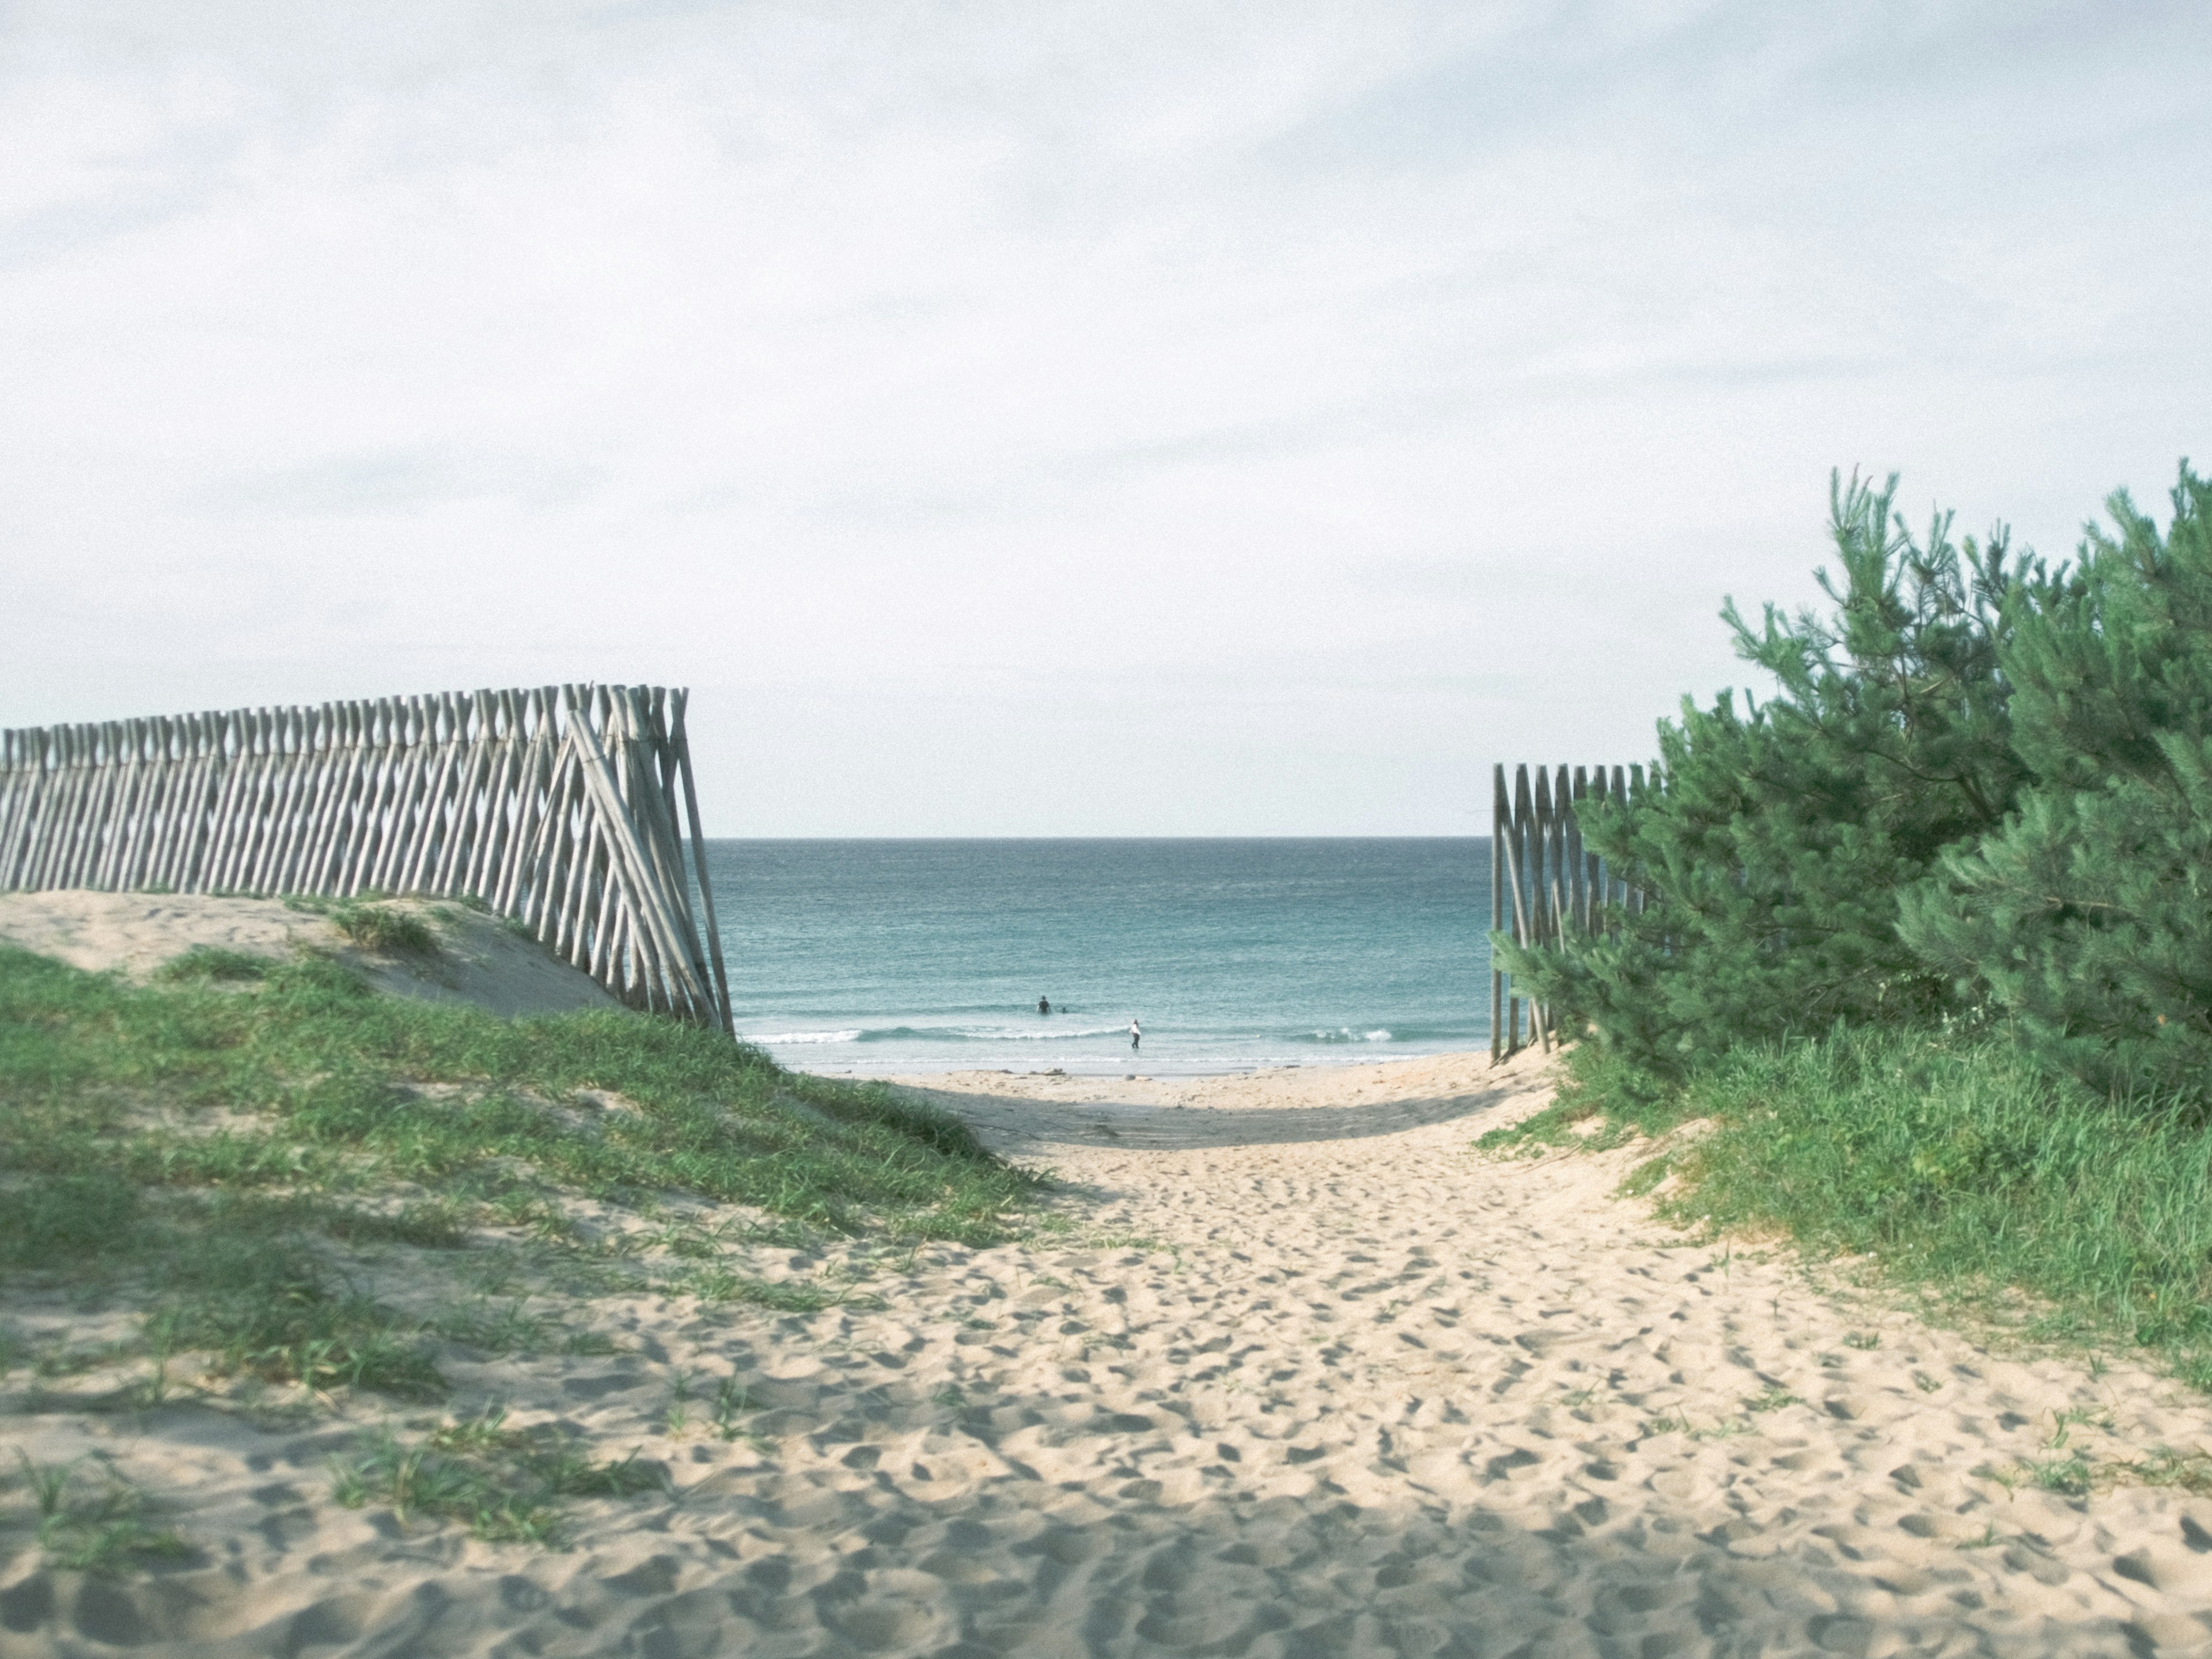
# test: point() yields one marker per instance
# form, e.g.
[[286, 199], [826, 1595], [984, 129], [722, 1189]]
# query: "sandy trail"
[[1297, 1374]]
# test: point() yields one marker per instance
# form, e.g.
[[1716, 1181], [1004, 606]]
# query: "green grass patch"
[[720, 1283], [89, 1518], [385, 928], [49, 1218], [1601, 1104], [2189, 1472], [265, 1306], [2070, 1476], [213, 961], [1958, 1166], [507, 1486], [221, 1158]]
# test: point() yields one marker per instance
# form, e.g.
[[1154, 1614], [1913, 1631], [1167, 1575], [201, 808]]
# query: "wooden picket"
[[563, 806], [1544, 883]]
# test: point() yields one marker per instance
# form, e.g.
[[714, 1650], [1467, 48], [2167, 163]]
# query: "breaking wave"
[[938, 1034]]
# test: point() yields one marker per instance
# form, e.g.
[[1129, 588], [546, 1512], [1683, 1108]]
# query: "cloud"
[[841, 359], [384, 481]]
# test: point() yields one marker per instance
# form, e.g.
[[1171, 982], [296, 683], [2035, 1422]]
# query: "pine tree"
[[1776, 841], [2089, 915]]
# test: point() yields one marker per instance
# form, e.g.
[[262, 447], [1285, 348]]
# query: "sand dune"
[[1291, 1373], [480, 961]]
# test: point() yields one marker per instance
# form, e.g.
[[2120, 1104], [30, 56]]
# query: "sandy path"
[[1301, 1376]]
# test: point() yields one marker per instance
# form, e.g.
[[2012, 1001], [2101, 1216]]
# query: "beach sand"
[[1288, 1372], [479, 962]]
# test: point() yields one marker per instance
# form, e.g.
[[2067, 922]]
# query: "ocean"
[[873, 957]]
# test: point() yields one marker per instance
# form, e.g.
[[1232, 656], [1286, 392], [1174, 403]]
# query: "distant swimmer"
[[1136, 1034], [1044, 1005]]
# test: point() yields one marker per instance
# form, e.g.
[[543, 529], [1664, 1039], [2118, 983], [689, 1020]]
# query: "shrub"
[[1776, 841], [2088, 914]]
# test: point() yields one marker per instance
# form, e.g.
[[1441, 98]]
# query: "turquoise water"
[[904, 956]]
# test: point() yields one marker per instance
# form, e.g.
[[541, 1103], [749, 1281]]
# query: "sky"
[[1042, 419]]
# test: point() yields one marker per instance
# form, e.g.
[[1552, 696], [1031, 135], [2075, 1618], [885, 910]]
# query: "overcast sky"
[[1034, 419]]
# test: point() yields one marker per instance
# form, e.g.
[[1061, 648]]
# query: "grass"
[[91, 1519], [213, 961], [1951, 1163], [720, 1285], [385, 928], [732, 1402], [2070, 1476], [2078, 1475], [505, 1484], [219, 1158]]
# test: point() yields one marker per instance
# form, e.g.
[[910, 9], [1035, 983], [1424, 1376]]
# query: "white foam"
[[852, 1035], [983, 1034]]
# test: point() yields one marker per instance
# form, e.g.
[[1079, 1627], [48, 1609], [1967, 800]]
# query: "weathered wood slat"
[[1545, 881], [649, 900], [563, 806], [680, 741]]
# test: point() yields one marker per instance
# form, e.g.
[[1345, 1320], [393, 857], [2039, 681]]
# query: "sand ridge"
[[1289, 1371], [480, 962]]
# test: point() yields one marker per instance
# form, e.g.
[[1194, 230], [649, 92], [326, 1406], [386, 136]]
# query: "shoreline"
[[1119, 1067], [902, 1071]]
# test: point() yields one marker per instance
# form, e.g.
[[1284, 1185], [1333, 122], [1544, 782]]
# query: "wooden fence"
[[565, 807], [1543, 883]]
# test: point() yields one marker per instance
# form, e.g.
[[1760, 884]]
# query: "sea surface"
[[872, 957]]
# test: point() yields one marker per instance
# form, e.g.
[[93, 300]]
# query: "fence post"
[[1499, 813], [1545, 881]]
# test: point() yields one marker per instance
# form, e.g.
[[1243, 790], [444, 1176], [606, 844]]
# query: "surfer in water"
[[1044, 1005], [1136, 1035]]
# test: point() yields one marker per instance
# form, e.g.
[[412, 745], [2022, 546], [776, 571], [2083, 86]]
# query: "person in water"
[[1136, 1034], [1044, 1005]]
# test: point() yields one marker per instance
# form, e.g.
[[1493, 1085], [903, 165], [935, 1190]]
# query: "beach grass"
[[1950, 1164], [89, 1518], [215, 1149], [505, 1484], [214, 962], [385, 928]]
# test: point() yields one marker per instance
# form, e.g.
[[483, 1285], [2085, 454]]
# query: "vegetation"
[[89, 1518], [1928, 934], [216, 1159], [385, 928], [1981, 787], [2088, 914], [505, 1484], [1959, 1166], [1778, 841], [213, 961]]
